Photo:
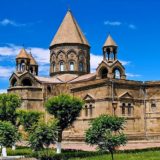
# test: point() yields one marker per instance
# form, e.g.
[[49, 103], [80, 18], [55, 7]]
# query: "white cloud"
[[42, 57], [132, 26], [132, 75], [3, 91], [5, 72], [96, 60], [112, 23], [118, 23], [6, 22]]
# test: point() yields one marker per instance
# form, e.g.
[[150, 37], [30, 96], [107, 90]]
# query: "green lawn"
[[148, 155]]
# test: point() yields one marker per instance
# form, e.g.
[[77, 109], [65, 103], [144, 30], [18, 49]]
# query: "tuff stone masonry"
[[105, 92]]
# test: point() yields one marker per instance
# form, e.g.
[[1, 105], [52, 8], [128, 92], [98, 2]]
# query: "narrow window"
[[23, 67], [49, 89], [61, 66], [81, 66], [54, 67], [117, 74], [123, 109], [129, 109], [71, 65], [153, 107], [90, 110], [86, 111]]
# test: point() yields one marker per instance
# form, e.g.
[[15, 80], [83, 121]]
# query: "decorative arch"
[[103, 73], [81, 55], [53, 57], [26, 82], [60, 52], [71, 51], [117, 72], [14, 82]]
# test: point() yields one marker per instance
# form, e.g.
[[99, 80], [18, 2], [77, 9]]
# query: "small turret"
[[22, 61], [110, 48], [33, 68], [26, 62]]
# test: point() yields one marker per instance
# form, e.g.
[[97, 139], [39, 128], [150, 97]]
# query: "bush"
[[51, 155], [19, 151]]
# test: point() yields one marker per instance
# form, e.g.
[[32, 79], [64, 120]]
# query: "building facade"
[[107, 91]]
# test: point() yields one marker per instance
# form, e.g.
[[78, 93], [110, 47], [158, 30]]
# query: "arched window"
[[71, 66], [26, 82], [61, 66], [23, 66], [54, 67], [81, 67], [111, 56], [86, 111], [31, 70], [104, 73], [49, 89], [153, 107], [129, 109], [123, 109], [117, 73], [90, 110], [13, 82]]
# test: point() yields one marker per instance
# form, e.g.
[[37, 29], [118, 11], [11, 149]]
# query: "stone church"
[[107, 91]]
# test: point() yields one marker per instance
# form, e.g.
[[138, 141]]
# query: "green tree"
[[43, 135], [65, 109], [8, 134], [106, 132], [28, 119], [8, 105]]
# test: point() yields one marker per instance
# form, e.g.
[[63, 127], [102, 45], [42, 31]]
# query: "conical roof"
[[109, 42], [23, 54], [69, 32], [32, 60]]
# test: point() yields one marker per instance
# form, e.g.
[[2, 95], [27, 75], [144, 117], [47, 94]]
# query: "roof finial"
[[69, 9], [30, 51], [23, 45]]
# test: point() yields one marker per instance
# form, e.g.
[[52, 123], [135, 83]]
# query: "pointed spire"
[[69, 32], [23, 54], [32, 60], [109, 42]]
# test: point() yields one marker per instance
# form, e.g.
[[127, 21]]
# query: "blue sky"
[[133, 24]]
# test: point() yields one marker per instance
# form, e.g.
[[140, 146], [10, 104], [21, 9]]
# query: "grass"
[[147, 155]]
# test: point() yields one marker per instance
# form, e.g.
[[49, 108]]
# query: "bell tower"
[[110, 67], [110, 50], [26, 62], [22, 61]]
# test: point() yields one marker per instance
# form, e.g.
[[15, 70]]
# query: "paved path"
[[130, 145]]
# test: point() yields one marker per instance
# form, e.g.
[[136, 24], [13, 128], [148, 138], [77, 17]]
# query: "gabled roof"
[[32, 60], [22, 54], [109, 42], [69, 32], [126, 95]]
